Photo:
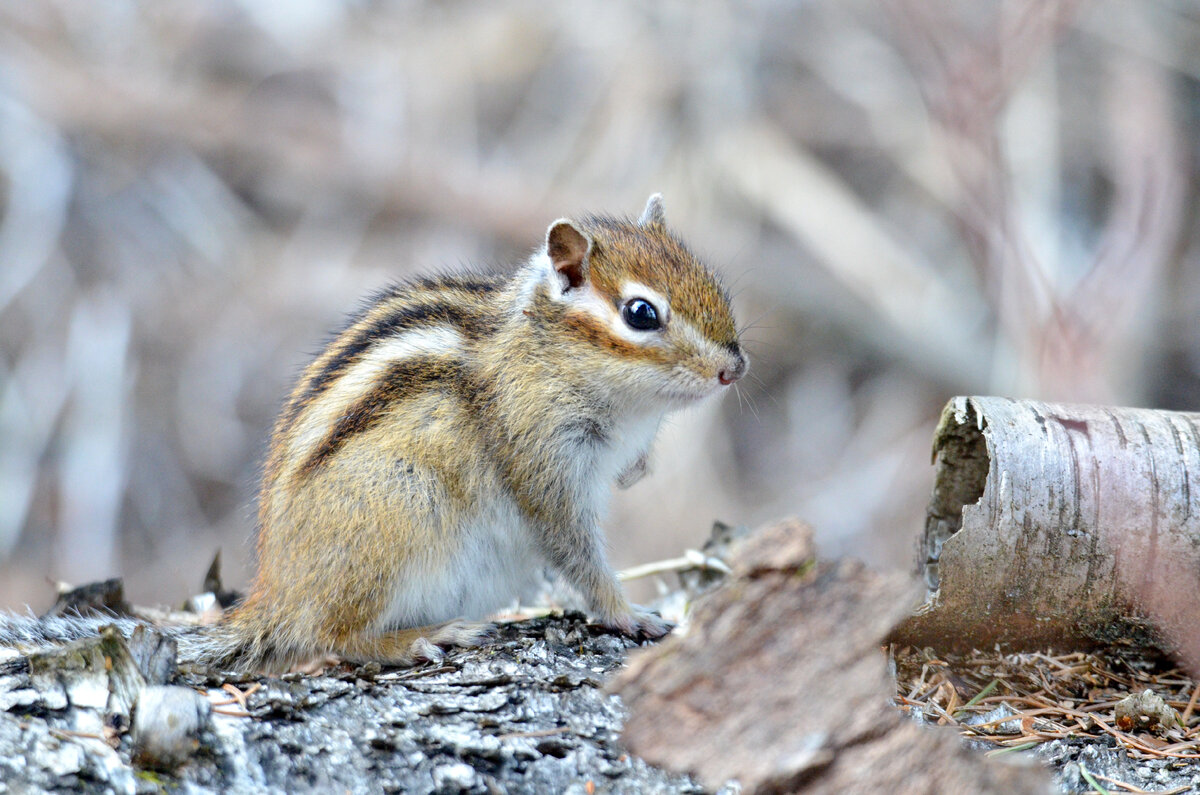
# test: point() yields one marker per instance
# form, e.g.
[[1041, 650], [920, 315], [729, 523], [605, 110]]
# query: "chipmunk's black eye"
[[640, 314]]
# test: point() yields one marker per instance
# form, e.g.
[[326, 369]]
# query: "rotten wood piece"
[[780, 683], [1061, 525]]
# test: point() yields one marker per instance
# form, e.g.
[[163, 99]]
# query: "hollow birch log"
[[1061, 525]]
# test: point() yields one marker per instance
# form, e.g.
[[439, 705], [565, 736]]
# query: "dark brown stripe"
[[479, 284], [595, 332], [473, 325], [402, 379]]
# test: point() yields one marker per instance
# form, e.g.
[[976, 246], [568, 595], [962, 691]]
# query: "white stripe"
[[536, 271], [632, 289], [318, 418]]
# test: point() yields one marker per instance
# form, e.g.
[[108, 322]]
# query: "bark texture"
[[525, 713], [780, 683], [1061, 525]]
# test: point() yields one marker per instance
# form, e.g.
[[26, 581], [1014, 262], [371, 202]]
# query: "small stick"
[[1010, 749], [692, 559], [1122, 736], [1093, 783], [1133, 788], [982, 694], [1187, 713]]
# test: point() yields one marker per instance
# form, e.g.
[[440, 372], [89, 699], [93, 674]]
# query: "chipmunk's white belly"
[[631, 438], [495, 564], [496, 560]]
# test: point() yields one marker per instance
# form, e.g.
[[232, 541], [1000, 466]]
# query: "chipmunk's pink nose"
[[727, 375]]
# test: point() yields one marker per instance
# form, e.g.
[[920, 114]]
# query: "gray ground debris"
[[168, 725], [525, 713], [1102, 758]]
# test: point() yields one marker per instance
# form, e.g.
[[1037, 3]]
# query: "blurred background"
[[911, 200]]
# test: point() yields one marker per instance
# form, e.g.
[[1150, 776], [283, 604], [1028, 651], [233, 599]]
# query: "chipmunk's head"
[[640, 309]]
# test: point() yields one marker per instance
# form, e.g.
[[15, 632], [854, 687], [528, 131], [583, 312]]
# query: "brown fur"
[[659, 259], [370, 487]]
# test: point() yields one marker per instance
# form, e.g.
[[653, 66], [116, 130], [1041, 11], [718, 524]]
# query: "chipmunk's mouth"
[[692, 393], [703, 377]]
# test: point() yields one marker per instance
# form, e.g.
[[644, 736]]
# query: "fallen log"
[[1061, 525]]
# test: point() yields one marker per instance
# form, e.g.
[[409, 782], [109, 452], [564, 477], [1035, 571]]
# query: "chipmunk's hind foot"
[[414, 646]]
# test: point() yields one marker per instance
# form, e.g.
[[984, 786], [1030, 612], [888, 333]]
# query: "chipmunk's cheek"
[[696, 379]]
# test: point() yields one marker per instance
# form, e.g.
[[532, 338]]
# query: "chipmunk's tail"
[[215, 647], [27, 633], [221, 646], [240, 642], [243, 641]]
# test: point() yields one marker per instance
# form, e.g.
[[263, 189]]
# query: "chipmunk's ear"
[[653, 215], [568, 248]]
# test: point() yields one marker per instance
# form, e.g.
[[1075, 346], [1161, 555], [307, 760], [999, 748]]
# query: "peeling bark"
[[1061, 525], [780, 684]]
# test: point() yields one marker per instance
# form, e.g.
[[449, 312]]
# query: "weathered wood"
[[1061, 525], [780, 682], [526, 713]]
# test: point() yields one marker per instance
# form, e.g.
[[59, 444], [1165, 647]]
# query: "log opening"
[[961, 463]]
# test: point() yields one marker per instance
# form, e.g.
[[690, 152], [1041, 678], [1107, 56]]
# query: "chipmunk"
[[461, 434]]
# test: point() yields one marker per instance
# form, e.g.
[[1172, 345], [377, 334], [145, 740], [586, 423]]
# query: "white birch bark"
[[1061, 525]]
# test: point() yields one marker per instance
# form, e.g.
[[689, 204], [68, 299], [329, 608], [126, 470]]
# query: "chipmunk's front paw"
[[639, 623]]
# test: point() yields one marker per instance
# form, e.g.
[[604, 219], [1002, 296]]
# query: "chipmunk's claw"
[[640, 622]]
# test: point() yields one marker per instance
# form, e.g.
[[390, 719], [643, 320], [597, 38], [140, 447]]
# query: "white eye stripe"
[[588, 301], [662, 306]]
